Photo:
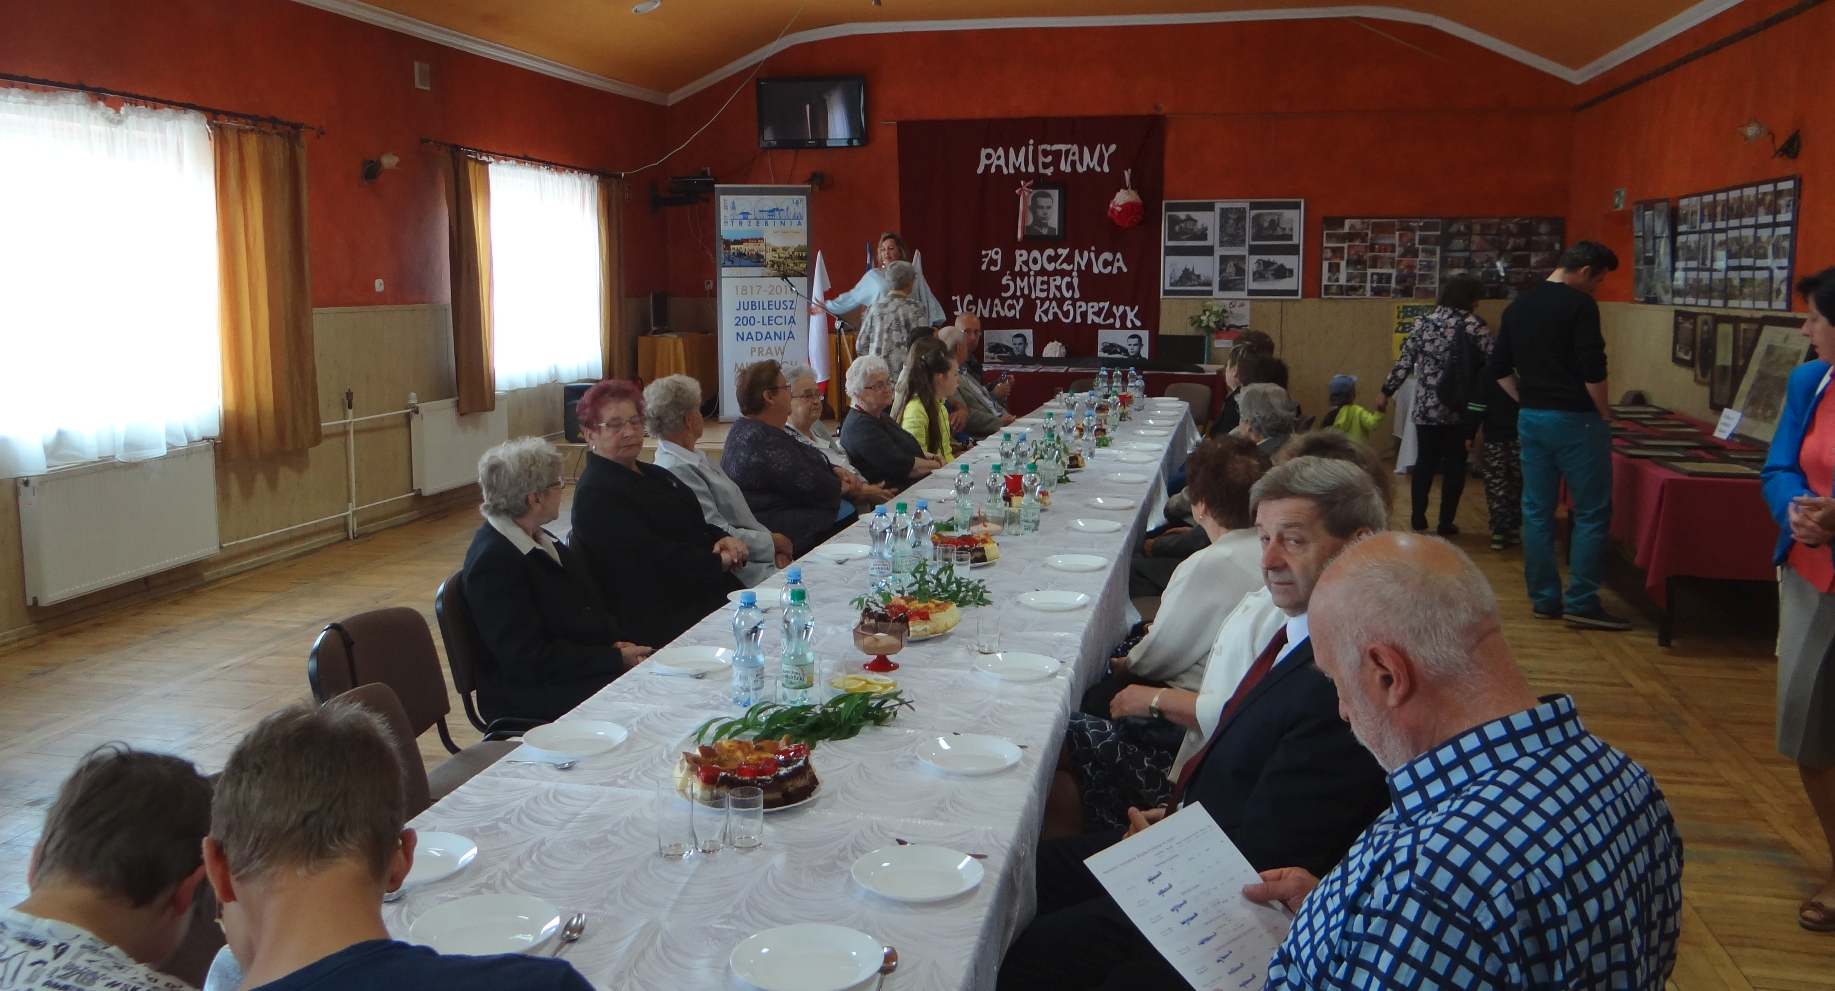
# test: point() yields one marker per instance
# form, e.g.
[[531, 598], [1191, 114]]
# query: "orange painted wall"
[[1675, 134], [288, 60], [1351, 120]]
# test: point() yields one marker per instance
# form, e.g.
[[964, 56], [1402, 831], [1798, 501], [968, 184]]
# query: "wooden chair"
[[1198, 396], [463, 654], [394, 646]]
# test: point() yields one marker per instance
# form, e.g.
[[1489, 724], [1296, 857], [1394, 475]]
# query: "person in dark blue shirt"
[[1519, 850], [305, 838]]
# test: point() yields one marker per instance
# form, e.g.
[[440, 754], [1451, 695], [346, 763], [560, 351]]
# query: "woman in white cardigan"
[[1123, 760], [672, 414]]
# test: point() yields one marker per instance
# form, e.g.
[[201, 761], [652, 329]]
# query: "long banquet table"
[[585, 839]]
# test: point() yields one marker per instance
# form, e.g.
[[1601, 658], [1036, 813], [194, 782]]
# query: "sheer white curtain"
[[545, 291], [108, 282]]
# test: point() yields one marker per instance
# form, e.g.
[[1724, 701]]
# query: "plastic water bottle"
[[1089, 436], [1029, 501], [901, 540], [798, 665], [1022, 450], [996, 503], [1052, 460], [879, 558], [1102, 381], [965, 499], [922, 526], [749, 653], [1006, 448], [793, 579]]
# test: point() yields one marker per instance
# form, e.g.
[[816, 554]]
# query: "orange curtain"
[[468, 207], [619, 350], [270, 376]]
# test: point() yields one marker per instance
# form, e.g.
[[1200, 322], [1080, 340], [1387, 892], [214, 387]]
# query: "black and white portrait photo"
[[1192, 272], [1232, 226], [1006, 345], [1121, 344], [1232, 273], [1274, 226], [1044, 213], [1188, 227]]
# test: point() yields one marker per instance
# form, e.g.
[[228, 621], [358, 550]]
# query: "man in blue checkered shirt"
[[1520, 850]]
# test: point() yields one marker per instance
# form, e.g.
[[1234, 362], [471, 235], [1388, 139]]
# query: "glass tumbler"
[[964, 560], [674, 823], [987, 630], [710, 825], [745, 827]]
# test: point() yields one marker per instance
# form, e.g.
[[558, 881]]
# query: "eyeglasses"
[[614, 426], [805, 396], [883, 384], [559, 483]]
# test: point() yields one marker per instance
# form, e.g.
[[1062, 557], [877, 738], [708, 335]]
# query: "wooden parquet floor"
[[190, 673]]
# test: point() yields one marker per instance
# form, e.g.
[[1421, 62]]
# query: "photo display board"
[[1652, 246], [1406, 257], [1232, 249], [1735, 247]]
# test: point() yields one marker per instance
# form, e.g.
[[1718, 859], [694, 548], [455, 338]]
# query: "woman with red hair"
[[659, 561]]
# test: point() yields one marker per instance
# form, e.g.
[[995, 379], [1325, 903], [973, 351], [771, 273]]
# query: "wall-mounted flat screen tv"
[[812, 112]]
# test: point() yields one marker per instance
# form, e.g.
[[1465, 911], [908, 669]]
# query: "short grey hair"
[[864, 368], [1433, 617], [1267, 408], [952, 337], [901, 274], [794, 372], [514, 470], [667, 403], [1344, 493]]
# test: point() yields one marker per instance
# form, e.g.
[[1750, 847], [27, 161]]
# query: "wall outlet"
[[423, 76], [378, 285]]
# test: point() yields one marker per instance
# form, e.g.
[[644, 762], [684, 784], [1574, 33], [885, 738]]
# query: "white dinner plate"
[[692, 661], [947, 495], [1013, 665], [1143, 445], [807, 957], [1030, 421], [571, 739], [841, 553], [1152, 433], [438, 855], [968, 754], [1131, 458], [1130, 477], [1054, 601], [485, 924], [1113, 502], [767, 598], [1076, 562], [1095, 526], [1161, 423], [918, 873]]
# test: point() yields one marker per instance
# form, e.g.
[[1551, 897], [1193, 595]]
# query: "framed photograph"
[[1006, 345], [1232, 226], [1682, 341], [1745, 341], [1232, 274], [1280, 273], [1276, 226], [1042, 213], [1720, 388], [1760, 399], [1704, 348], [1193, 227], [1191, 273], [1122, 344]]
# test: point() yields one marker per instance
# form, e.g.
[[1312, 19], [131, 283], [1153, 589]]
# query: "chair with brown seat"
[[395, 647], [464, 654], [1197, 396], [1082, 385], [380, 699]]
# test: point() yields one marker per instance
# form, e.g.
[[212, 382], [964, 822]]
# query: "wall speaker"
[[659, 312], [570, 421]]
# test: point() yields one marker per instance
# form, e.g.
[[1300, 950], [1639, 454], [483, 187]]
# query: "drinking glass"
[[746, 817], [987, 630], [710, 825], [964, 560], [674, 823]]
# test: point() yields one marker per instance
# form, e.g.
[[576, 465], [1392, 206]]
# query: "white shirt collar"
[[680, 453], [1297, 632], [522, 541]]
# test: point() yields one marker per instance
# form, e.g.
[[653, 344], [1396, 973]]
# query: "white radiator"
[[87, 528], [447, 446]]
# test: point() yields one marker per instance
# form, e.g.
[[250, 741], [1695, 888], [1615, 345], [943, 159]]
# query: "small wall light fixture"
[[1752, 130], [372, 168], [646, 6]]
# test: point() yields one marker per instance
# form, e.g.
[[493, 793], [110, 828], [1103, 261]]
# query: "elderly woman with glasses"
[[875, 442], [672, 414], [807, 427], [791, 488], [548, 640], [661, 562]]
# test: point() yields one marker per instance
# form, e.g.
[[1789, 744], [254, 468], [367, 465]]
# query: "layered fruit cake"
[[779, 767]]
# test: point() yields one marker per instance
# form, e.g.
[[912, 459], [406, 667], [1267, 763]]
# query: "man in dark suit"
[[1282, 774], [549, 640]]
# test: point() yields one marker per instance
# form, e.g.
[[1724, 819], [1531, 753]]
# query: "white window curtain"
[[108, 282], [545, 291]]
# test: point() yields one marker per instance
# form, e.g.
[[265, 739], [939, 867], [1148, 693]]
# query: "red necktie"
[[1250, 679]]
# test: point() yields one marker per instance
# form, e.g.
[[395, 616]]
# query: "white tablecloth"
[[585, 839]]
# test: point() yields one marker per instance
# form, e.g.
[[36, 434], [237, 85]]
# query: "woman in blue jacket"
[[1799, 480]]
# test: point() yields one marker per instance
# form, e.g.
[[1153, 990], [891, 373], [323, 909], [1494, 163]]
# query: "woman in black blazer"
[[549, 641], [661, 563], [884, 452], [789, 486]]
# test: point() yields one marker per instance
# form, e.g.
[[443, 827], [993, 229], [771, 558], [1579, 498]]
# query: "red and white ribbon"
[[1025, 200]]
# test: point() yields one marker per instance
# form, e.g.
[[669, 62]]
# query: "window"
[[108, 282], [545, 275]]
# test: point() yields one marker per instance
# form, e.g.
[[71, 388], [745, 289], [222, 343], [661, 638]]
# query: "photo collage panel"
[[1232, 249], [1735, 248], [1652, 247], [1407, 257]]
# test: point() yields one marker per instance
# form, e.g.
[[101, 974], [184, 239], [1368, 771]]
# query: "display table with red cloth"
[[1035, 385], [1682, 526]]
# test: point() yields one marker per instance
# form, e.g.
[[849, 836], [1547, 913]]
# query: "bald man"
[[971, 335], [1520, 850]]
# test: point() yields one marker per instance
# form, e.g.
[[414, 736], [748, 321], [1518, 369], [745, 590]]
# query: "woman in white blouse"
[[672, 414]]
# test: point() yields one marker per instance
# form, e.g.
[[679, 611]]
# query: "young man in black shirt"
[[1551, 356]]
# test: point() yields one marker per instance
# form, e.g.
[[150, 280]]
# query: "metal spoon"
[[557, 765], [977, 856], [891, 963], [570, 933]]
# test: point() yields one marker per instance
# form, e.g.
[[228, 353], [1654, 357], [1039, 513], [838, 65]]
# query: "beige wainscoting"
[[380, 353]]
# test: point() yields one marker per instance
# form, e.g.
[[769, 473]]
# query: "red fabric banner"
[[1012, 219]]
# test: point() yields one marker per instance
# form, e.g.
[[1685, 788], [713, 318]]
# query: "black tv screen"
[[812, 112]]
